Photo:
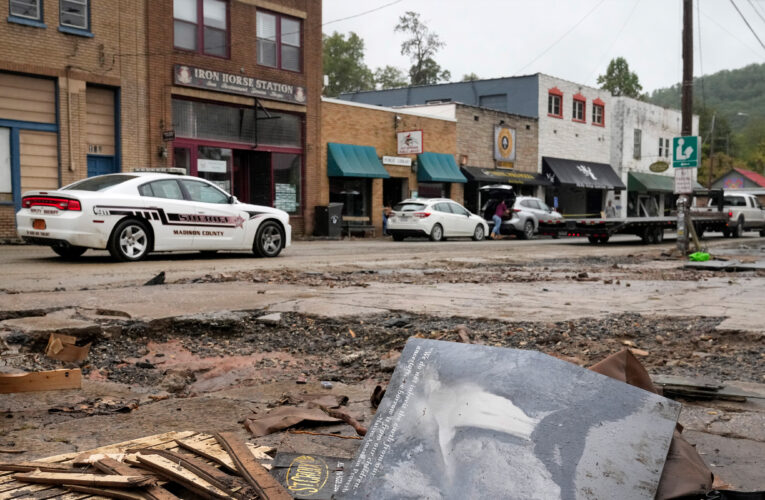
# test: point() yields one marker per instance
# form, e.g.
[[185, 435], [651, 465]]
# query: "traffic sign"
[[683, 181], [686, 151]]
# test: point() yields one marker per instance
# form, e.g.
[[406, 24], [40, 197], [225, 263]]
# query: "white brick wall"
[[654, 122], [564, 138]]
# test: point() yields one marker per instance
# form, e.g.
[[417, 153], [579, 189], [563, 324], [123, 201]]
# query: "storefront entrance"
[[252, 177], [395, 189]]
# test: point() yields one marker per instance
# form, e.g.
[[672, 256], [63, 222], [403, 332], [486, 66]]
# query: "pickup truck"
[[744, 213]]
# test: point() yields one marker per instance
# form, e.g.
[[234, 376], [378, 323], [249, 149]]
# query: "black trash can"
[[328, 220]]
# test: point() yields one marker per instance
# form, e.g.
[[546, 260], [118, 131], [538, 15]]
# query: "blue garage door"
[[99, 165]]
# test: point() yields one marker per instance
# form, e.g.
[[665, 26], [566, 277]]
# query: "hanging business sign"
[[409, 142], [659, 166], [504, 144], [190, 76]]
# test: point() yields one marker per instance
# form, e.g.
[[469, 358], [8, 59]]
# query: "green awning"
[[645, 183], [438, 167], [348, 160]]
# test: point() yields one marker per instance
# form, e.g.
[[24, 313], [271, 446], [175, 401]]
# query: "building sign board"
[[214, 166], [190, 76], [409, 142], [686, 151], [504, 144], [683, 181], [397, 160], [659, 166]]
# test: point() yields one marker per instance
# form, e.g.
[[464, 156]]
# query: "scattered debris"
[[285, 417], [64, 348], [360, 429], [156, 280], [100, 480], [265, 485], [271, 319]]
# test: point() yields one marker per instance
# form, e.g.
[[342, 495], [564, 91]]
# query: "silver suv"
[[525, 215]]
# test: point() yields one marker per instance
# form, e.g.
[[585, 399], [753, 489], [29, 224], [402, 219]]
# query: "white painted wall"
[[565, 138], [654, 122]]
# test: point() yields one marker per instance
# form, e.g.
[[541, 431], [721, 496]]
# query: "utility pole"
[[683, 212], [711, 151]]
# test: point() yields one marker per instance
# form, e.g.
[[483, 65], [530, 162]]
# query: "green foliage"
[[619, 80], [470, 77], [344, 64], [390, 77], [421, 47], [738, 98]]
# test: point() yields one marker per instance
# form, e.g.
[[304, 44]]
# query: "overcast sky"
[[570, 39]]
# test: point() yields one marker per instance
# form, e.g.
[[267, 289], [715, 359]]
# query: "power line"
[[756, 9], [363, 13], [562, 37], [747, 23], [613, 44]]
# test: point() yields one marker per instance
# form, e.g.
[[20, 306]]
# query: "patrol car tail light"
[[60, 203], [730, 213], [421, 215]]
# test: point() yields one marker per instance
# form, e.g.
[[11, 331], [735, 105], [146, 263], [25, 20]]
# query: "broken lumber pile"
[[162, 467]]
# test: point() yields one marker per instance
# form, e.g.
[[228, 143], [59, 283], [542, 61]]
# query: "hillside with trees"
[[735, 101]]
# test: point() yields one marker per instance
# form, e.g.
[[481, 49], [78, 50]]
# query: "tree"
[[421, 46], [619, 80], [344, 64], [469, 77], [390, 77]]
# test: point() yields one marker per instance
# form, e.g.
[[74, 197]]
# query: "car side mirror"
[[232, 200]]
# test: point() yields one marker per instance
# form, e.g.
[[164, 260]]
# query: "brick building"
[[72, 94], [372, 156], [493, 147], [234, 97]]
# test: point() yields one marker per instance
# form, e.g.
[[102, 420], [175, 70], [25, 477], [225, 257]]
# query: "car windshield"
[[100, 183], [408, 207]]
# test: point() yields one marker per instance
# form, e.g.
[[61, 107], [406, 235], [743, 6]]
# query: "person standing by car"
[[385, 214], [499, 213]]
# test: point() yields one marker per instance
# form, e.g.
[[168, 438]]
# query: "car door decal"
[[176, 219]]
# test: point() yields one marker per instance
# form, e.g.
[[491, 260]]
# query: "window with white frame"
[[74, 14], [28, 9], [637, 144], [661, 147], [554, 104], [577, 112], [279, 41], [666, 148], [597, 114]]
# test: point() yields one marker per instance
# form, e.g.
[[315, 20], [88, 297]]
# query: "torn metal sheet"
[[470, 421]]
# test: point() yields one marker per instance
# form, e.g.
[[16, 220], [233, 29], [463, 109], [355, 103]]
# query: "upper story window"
[[27, 9], [598, 113], [201, 26], [554, 103], [279, 41], [74, 14], [577, 111], [661, 147], [637, 144]]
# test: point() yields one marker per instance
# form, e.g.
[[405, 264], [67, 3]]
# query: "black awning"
[[495, 175], [584, 174]]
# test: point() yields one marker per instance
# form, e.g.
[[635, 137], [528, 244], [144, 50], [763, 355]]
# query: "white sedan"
[[436, 218], [132, 214]]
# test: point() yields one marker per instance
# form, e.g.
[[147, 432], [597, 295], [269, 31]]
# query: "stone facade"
[[365, 125], [109, 55]]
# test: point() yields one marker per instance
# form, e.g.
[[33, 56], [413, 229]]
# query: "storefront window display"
[[353, 193], [433, 189], [214, 164], [286, 173]]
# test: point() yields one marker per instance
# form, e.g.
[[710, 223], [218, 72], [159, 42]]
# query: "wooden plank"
[[31, 466], [264, 483], [143, 442], [111, 466], [179, 474], [104, 480], [206, 446], [233, 485], [109, 492], [40, 381]]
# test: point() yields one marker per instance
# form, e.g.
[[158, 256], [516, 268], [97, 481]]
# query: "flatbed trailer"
[[649, 229]]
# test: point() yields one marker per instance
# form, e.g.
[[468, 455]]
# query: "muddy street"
[[222, 339]]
